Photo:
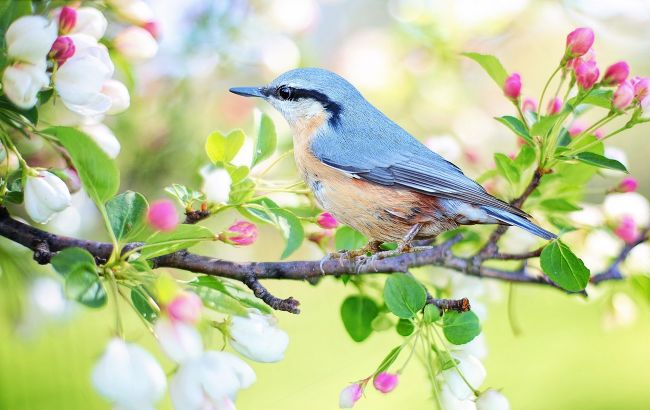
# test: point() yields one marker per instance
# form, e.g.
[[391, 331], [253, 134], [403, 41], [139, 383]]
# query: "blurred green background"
[[404, 56]]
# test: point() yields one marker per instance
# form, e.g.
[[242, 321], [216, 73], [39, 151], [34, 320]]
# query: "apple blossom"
[[327, 221], [492, 400], [529, 105], [21, 83], [576, 128], [216, 184], [153, 28], [633, 204], [67, 19], [185, 307], [162, 215], [628, 184], [616, 73], [137, 11], [512, 86], [257, 337], [91, 22], [472, 370], [62, 49], [579, 41], [103, 137], [119, 95], [623, 96], [627, 230], [45, 195], [80, 80], [451, 402], [180, 341], [240, 233], [385, 382], [129, 376], [586, 74], [29, 39], [350, 395], [641, 87], [210, 381], [136, 43], [554, 106]]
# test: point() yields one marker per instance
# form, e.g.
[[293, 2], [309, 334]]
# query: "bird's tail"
[[516, 220]]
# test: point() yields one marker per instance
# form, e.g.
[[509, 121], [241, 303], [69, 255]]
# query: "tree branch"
[[614, 272]]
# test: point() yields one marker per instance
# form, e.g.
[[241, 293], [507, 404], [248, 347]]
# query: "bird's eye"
[[285, 93]]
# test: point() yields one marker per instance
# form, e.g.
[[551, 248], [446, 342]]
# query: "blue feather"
[[516, 220]]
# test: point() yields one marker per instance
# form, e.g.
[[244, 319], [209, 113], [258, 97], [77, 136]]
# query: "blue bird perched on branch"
[[369, 172]]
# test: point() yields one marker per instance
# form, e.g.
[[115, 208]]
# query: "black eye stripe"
[[294, 94]]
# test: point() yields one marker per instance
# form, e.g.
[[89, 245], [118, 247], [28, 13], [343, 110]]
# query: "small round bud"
[[628, 184], [512, 86], [616, 73], [385, 382], [327, 221], [162, 215], [579, 41]]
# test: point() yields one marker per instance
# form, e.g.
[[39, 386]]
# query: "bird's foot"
[[357, 257]]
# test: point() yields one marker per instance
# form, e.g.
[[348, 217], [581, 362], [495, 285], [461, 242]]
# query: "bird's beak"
[[248, 91]]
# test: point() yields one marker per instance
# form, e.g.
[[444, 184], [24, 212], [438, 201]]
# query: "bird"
[[369, 172]]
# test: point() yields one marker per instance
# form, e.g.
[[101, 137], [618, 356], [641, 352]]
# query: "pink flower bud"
[[186, 307], [616, 73], [62, 49], [627, 229], [385, 382], [554, 106], [599, 133], [529, 105], [350, 395], [512, 86], [645, 107], [623, 95], [71, 179], [153, 28], [67, 19], [579, 41], [577, 128], [326, 220], [641, 87], [586, 74], [241, 233], [628, 184], [162, 215]]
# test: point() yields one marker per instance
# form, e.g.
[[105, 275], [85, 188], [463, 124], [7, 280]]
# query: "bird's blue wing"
[[395, 158]]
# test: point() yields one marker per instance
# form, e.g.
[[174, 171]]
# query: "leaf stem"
[[541, 98]]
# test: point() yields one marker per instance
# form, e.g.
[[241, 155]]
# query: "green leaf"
[[600, 161], [30, 114], [405, 327], [98, 173], [597, 96], [563, 267], [460, 327], [231, 290], [507, 168], [515, 126], [543, 126], [432, 313], [348, 238], [139, 299], [266, 140], [403, 295], [559, 205], [82, 284], [525, 158], [389, 359], [126, 213], [184, 195], [184, 236], [268, 211], [357, 313], [444, 358], [241, 191], [222, 302], [223, 148], [491, 65]]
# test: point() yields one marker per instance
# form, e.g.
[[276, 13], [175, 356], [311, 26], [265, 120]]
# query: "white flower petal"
[[30, 38], [45, 195], [181, 342], [258, 338], [104, 138], [21, 82], [90, 21]]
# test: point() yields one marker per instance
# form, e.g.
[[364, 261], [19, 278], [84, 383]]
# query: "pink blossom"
[[623, 95], [512, 86], [586, 74], [153, 28], [327, 221], [579, 41], [577, 128], [627, 229], [67, 19], [185, 307], [641, 87], [350, 395], [529, 105], [616, 73], [241, 233], [599, 133], [628, 184], [162, 215], [62, 49], [554, 106], [385, 382]]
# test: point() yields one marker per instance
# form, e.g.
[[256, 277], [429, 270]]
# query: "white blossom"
[[216, 184], [210, 381], [629, 203], [45, 195], [21, 82], [451, 402], [91, 22], [129, 376], [257, 337], [492, 400], [104, 138], [30, 38], [119, 95], [136, 43], [180, 341], [473, 371], [137, 11]]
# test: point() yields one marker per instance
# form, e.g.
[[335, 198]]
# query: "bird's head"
[[303, 93]]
